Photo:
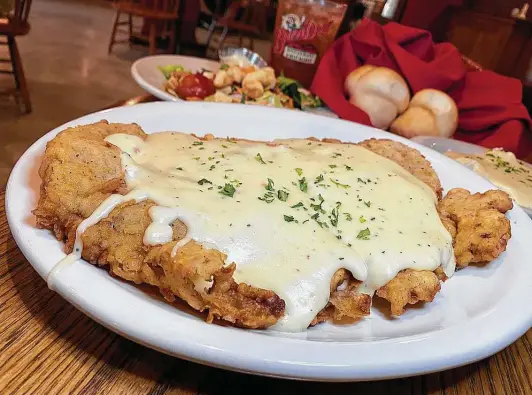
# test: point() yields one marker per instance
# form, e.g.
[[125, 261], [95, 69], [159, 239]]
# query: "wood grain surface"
[[48, 347]]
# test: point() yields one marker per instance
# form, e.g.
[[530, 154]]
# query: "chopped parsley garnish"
[[282, 195], [299, 171], [197, 143], [196, 158], [204, 181], [318, 179], [338, 184], [212, 167], [318, 207], [348, 217], [335, 214], [300, 204], [179, 168], [333, 166], [303, 186], [368, 203], [364, 234], [228, 190], [361, 219], [336, 155], [225, 146], [258, 157], [361, 180], [288, 218], [270, 185], [348, 167], [268, 197]]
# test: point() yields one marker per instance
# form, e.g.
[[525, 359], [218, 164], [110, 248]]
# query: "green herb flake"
[[197, 143], [318, 207], [300, 204], [282, 195], [361, 219], [228, 190], [335, 214], [368, 203], [268, 197], [179, 168], [204, 181], [348, 217], [289, 218], [333, 166], [338, 184], [318, 179], [270, 185], [299, 171], [303, 186], [349, 168], [259, 159], [364, 234]]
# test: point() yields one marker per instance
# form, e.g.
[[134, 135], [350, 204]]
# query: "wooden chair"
[[160, 15], [247, 17], [16, 24]]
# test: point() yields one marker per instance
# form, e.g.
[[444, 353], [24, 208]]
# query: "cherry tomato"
[[195, 85]]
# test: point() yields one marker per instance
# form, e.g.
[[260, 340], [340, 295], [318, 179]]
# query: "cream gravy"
[[291, 214]]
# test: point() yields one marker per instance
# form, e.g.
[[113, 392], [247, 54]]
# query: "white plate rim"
[[272, 356]]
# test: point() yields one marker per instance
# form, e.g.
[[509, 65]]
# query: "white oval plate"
[[443, 145], [478, 312], [146, 73]]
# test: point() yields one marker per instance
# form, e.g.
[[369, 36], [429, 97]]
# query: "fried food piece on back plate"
[[477, 223]]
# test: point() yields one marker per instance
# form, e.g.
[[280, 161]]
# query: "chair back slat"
[[21, 11]]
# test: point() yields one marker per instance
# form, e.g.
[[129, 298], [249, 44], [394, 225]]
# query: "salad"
[[238, 84]]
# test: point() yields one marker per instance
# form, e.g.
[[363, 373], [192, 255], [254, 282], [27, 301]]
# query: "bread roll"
[[430, 113], [379, 92]]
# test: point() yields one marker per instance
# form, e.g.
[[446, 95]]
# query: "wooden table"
[[49, 347]]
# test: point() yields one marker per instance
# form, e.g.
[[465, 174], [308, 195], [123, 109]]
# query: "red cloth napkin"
[[491, 112]]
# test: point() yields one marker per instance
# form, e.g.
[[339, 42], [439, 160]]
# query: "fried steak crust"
[[477, 223], [80, 170]]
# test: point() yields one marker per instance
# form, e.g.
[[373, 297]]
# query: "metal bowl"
[[254, 58]]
